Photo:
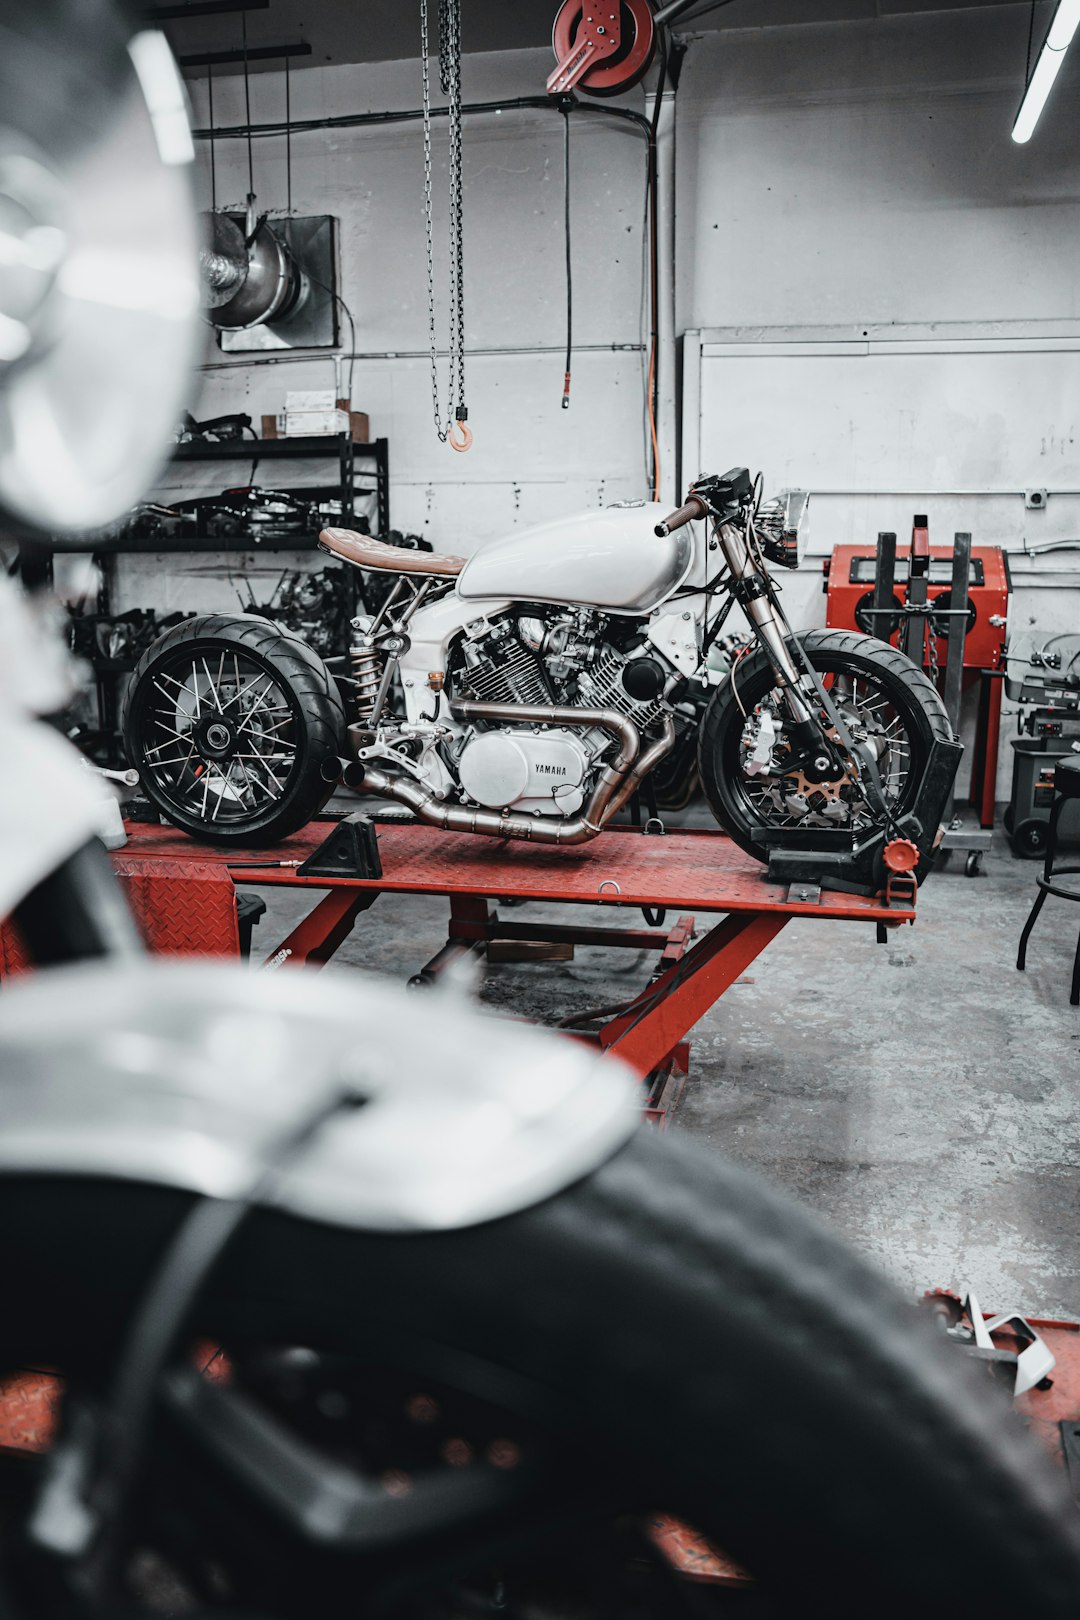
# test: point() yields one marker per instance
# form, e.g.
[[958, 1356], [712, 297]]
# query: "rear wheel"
[[888, 706], [234, 726]]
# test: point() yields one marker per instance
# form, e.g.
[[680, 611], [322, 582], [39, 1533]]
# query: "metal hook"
[[609, 883], [466, 436]]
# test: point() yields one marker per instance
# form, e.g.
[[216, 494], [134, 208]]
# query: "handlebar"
[[694, 508]]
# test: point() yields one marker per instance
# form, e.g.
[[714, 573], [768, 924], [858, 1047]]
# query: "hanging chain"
[[446, 29], [450, 76]]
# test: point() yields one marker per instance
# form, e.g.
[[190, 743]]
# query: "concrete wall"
[[531, 459], [860, 175], [832, 173]]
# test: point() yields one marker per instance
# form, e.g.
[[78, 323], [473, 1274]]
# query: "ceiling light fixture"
[[1057, 42]]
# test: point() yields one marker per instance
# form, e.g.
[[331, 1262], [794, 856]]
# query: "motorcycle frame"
[[435, 615], [416, 639]]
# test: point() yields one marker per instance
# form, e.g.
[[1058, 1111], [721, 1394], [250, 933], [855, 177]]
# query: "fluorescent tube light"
[[1058, 40]]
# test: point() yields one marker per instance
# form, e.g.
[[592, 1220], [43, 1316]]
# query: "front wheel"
[[235, 727], [887, 704]]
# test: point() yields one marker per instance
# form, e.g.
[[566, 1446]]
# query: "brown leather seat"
[[365, 552]]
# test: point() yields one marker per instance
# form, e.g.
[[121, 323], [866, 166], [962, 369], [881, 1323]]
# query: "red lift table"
[[184, 897]]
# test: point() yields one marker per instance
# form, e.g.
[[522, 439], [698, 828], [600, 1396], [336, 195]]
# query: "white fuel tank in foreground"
[[609, 559]]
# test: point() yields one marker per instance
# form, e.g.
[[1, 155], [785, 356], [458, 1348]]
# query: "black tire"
[[312, 727], [1030, 838], [913, 697], [728, 1359]]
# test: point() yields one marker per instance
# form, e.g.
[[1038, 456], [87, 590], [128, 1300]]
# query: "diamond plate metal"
[[29, 1411], [182, 907], [13, 957]]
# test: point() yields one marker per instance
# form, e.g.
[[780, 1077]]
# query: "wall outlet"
[[1036, 499]]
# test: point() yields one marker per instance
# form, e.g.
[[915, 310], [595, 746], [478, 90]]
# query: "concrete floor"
[[921, 1096]]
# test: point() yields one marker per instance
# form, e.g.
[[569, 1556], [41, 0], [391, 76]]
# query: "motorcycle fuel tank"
[[609, 559]]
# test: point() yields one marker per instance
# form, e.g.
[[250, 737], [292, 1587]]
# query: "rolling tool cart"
[[1043, 669], [937, 595]]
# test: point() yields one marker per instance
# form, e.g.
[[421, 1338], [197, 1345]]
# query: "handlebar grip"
[[694, 508]]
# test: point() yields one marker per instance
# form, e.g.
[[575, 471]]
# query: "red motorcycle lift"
[[183, 895]]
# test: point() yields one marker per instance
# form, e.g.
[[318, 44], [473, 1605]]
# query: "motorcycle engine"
[[544, 771], [567, 658]]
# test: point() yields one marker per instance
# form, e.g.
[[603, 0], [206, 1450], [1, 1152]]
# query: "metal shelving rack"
[[107, 672], [325, 445]]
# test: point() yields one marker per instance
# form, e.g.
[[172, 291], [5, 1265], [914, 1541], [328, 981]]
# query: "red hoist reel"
[[601, 46]]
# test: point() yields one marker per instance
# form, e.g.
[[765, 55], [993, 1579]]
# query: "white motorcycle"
[[529, 691]]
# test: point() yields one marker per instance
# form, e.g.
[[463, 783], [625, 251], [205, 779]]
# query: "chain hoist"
[[454, 431]]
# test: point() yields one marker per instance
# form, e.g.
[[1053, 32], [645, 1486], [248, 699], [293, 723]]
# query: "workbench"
[[184, 896]]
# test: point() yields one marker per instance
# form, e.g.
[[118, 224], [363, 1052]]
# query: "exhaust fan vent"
[[270, 284]]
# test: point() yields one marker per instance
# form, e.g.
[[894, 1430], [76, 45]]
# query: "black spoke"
[[218, 735], [875, 725]]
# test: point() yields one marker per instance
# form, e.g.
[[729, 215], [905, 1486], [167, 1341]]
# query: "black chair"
[[1066, 787]]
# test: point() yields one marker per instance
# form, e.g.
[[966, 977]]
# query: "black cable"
[[288, 139], [569, 261], [1031, 36], [653, 375], [409, 115], [352, 327], [213, 152], [247, 108]]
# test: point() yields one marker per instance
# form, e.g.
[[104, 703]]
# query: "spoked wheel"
[[234, 726], [892, 713]]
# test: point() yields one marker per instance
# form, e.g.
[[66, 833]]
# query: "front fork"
[[772, 630]]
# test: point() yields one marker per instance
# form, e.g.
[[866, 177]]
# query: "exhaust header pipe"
[[616, 782]]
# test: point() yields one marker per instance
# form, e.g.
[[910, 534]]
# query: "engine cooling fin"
[[603, 687]]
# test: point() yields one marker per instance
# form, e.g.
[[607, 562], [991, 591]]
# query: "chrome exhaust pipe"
[[615, 784]]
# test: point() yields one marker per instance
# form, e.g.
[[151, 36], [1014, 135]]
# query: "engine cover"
[[543, 771]]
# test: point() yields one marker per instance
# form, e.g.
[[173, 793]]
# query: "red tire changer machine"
[[946, 607]]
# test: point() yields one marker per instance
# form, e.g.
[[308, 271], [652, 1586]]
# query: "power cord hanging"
[[652, 397], [213, 144], [288, 141], [569, 261], [456, 433], [247, 110]]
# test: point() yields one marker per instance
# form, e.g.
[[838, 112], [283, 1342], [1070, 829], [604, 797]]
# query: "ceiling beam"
[[201, 8], [254, 53]]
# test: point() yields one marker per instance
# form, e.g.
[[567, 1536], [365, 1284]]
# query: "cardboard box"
[[310, 399], [307, 424], [356, 422]]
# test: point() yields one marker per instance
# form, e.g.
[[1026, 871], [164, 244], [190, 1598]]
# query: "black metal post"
[[884, 584]]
